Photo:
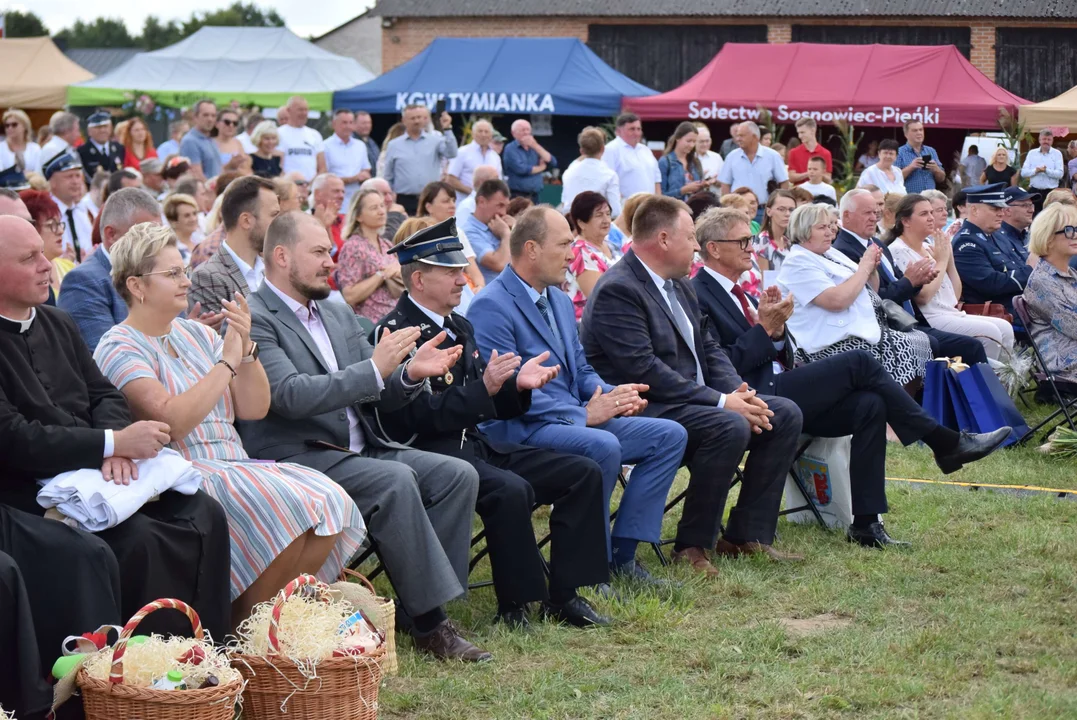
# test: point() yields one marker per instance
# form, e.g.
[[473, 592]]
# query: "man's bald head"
[[12, 204], [24, 269], [482, 174]]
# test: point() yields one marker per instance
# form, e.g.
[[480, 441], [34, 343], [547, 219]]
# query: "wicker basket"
[[381, 611], [112, 700], [345, 688]]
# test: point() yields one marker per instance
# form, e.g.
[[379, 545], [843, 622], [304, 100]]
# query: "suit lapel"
[[515, 287], [288, 318], [233, 272], [336, 337], [720, 296]]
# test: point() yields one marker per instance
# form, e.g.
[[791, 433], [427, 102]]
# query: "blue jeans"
[[656, 448]]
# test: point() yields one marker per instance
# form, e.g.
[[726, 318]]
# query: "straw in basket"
[[344, 688], [113, 700], [379, 610]]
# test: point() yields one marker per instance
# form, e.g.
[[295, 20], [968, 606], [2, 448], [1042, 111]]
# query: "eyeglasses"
[[173, 273], [744, 242], [1025, 205], [230, 123], [302, 183], [1069, 231], [56, 226]]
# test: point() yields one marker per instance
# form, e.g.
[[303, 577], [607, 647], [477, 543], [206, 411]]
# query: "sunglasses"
[[11, 124], [1069, 231], [230, 123], [744, 242]]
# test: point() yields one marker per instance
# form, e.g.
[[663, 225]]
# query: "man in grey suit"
[[248, 206], [327, 384]]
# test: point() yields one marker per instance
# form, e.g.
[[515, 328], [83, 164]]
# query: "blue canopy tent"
[[540, 76]]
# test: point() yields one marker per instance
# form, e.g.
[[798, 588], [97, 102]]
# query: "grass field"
[[977, 620]]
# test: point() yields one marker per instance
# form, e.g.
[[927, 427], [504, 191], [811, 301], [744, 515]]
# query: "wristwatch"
[[252, 355]]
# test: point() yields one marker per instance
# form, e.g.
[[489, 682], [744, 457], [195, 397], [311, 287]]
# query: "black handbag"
[[897, 317]]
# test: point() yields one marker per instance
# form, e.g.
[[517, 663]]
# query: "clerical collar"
[[18, 326]]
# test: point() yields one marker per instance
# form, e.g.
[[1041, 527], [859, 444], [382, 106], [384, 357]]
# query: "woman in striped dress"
[[284, 519]]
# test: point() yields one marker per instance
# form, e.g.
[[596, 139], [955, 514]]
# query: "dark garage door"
[[664, 56], [885, 35], [1036, 63]]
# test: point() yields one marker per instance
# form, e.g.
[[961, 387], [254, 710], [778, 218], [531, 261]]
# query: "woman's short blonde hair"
[[23, 118], [136, 252], [1050, 220], [628, 210], [1060, 195], [172, 205], [804, 218], [732, 200], [262, 129], [934, 195], [411, 226]]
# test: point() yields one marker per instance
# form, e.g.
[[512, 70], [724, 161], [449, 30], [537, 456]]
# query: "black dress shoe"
[[634, 572], [971, 447], [577, 612], [874, 535], [513, 619]]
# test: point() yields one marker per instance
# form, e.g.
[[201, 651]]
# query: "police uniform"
[[109, 158], [989, 267], [512, 478], [1013, 240]]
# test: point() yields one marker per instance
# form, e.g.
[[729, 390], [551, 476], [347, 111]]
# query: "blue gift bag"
[[937, 401], [988, 402], [964, 419]]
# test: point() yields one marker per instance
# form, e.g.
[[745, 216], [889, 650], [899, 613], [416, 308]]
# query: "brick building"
[[1026, 46]]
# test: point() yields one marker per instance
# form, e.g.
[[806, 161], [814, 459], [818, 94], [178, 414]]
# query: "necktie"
[[74, 235], [544, 310], [683, 325], [890, 276], [738, 293]]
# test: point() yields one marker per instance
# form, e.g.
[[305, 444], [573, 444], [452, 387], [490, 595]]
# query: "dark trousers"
[[410, 203], [533, 197], [510, 484], [852, 394], [717, 439], [945, 344]]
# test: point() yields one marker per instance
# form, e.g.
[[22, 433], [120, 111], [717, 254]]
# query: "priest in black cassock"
[[59, 413], [512, 478]]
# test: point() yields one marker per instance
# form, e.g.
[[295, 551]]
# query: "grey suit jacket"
[[308, 403], [216, 279]]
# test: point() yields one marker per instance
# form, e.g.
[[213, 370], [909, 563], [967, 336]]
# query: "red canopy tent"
[[873, 85]]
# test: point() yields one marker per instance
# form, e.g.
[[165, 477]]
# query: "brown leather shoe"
[[728, 549], [445, 643], [697, 559]]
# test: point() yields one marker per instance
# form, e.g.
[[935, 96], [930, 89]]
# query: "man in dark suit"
[[859, 215], [100, 152], [642, 324], [326, 380], [512, 477], [847, 394]]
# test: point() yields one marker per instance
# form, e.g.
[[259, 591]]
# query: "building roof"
[[100, 60], [1031, 9]]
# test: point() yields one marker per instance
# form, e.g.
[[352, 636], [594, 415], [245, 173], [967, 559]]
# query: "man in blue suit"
[[642, 321], [87, 293], [522, 311]]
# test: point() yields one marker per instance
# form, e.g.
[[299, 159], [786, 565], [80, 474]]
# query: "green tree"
[[238, 14], [101, 33], [156, 35], [23, 24]]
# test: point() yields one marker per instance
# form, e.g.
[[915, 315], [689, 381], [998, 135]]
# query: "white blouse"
[[944, 301], [806, 274], [31, 158], [874, 176]]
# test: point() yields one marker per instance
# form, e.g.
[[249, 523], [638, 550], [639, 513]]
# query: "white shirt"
[[468, 158], [806, 275], [301, 147], [591, 174], [660, 282], [245, 140], [252, 275], [311, 319], [31, 156], [83, 229], [52, 148], [636, 167], [438, 320], [346, 159], [944, 301], [464, 210], [1054, 168], [727, 285], [711, 164], [822, 189], [872, 175]]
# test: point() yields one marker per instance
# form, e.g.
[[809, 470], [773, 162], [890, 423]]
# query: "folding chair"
[[484, 551], [799, 481], [1066, 405], [656, 546]]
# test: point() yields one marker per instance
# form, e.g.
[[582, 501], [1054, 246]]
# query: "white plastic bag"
[[824, 469]]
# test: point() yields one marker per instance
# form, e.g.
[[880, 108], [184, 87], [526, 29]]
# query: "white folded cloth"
[[96, 504]]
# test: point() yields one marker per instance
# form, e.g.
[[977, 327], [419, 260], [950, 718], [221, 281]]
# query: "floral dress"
[[268, 504], [586, 257], [359, 260], [1051, 297]]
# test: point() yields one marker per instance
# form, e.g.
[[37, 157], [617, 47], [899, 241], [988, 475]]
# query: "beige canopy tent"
[[1058, 112], [36, 74]]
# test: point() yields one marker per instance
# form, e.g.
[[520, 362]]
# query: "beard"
[[307, 290]]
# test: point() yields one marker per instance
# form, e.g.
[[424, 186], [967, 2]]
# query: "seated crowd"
[[354, 360]]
